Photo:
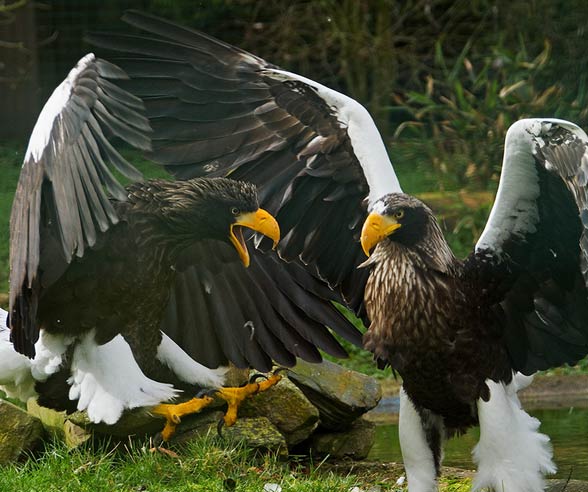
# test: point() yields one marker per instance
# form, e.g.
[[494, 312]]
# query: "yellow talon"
[[234, 396], [173, 413], [168, 431]]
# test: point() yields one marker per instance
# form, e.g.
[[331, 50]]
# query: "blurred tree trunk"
[[19, 73], [369, 60]]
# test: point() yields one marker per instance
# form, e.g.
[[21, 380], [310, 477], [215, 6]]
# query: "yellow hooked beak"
[[375, 228], [260, 221]]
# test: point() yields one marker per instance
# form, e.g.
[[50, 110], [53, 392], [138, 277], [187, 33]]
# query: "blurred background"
[[443, 78]]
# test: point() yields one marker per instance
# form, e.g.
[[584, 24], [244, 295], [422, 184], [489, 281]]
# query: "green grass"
[[207, 465]]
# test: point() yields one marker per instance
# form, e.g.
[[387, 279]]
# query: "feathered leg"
[[106, 380], [16, 379], [422, 435], [512, 455]]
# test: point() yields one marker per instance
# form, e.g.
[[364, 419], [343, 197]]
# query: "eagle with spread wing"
[[124, 296], [462, 334]]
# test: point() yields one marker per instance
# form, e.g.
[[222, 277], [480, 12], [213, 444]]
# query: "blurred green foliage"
[[465, 109], [10, 163]]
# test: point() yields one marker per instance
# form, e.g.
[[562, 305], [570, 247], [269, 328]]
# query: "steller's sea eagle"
[[462, 334], [123, 297]]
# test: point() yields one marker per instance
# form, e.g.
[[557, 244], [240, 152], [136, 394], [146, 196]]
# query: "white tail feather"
[[512, 455], [106, 380]]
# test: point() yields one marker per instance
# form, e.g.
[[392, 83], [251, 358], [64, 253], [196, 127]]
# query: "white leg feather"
[[16, 379], [49, 351], [106, 380], [186, 368], [416, 453], [512, 455]]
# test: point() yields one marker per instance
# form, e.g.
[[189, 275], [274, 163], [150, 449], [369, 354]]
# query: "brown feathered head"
[[407, 221]]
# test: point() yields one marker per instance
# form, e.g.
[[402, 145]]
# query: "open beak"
[[375, 228], [260, 221]]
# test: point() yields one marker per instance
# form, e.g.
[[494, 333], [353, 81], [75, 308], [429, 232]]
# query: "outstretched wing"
[[314, 153], [61, 202], [537, 241], [220, 311]]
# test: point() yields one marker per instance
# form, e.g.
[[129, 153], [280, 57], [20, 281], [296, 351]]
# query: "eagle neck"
[[406, 299], [149, 213]]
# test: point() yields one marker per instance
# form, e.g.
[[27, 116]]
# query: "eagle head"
[[216, 208], [400, 218], [406, 221]]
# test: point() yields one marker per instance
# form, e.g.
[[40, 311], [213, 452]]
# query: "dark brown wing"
[[271, 311], [535, 245], [218, 110], [61, 202]]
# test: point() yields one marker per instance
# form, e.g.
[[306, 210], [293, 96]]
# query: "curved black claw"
[[219, 428], [279, 370], [255, 377], [158, 440], [206, 392]]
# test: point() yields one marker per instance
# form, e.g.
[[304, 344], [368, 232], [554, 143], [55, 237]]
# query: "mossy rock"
[[197, 425], [19, 432], [340, 394], [75, 428], [287, 408], [354, 443], [258, 433], [70, 429]]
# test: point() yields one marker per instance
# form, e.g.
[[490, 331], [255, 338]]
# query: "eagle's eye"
[[235, 211], [399, 214]]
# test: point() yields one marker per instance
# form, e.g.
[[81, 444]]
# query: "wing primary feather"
[[122, 112], [125, 132], [266, 323], [110, 70], [101, 207], [88, 229], [111, 184], [122, 96]]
